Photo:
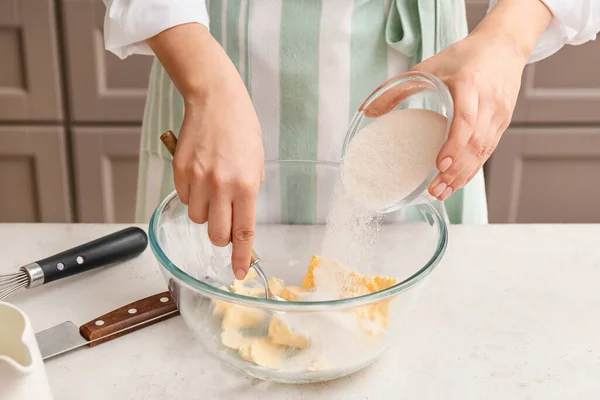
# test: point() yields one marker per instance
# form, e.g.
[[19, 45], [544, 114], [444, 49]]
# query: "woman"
[[280, 79]]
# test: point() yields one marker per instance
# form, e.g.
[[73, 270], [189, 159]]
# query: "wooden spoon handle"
[[170, 141]]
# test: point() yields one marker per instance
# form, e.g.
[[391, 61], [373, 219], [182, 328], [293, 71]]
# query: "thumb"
[[393, 96]]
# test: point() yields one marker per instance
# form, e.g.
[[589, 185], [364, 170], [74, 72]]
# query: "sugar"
[[350, 236], [386, 161], [391, 157]]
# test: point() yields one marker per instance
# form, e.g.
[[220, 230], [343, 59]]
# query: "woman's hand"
[[218, 166], [483, 73], [218, 169]]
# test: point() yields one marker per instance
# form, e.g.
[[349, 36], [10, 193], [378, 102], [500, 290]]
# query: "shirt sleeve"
[[128, 23], [575, 22]]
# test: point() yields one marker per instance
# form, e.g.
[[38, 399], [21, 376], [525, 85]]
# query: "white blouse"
[[575, 22], [128, 23]]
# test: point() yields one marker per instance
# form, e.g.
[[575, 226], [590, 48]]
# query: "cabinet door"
[[101, 86], [29, 72], [106, 168], [564, 87], [34, 184], [540, 175]]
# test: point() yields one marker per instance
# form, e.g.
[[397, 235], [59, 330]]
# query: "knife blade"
[[67, 336]]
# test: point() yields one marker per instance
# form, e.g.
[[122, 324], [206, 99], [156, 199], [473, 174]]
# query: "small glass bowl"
[[411, 90]]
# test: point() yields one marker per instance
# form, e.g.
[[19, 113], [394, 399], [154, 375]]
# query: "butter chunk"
[[233, 339], [309, 280], [241, 285], [281, 333], [238, 317], [291, 293], [251, 291], [262, 352], [245, 351], [349, 283], [332, 275], [379, 283], [276, 286], [248, 286], [250, 276], [375, 316], [220, 306]]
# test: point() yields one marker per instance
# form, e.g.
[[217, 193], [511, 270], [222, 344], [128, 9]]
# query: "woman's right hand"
[[219, 163], [219, 168]]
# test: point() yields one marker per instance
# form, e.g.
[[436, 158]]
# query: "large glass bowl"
[[291, 216]]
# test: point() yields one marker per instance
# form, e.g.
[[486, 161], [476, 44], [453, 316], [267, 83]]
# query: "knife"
[[137, 315]]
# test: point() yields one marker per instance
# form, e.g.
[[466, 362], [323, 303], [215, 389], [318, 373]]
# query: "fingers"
[[242, 232], [219, 219], [466, 103], [198, 197], [475, 153], [480, 151], [392, 97], [465, 146], [228, 221], [480, 143], [181, 182]]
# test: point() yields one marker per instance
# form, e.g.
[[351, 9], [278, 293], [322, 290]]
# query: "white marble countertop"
[[513, 312]]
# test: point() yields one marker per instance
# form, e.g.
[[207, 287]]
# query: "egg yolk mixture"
[[269, 346]]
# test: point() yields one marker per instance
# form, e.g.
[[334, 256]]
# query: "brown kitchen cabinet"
[[30, 87], [546, 164], [546, 174], [102, 87], [34, 181], [106, 166], [563, 88]]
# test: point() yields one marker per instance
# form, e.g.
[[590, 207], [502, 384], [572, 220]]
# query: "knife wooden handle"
[[129, 318]]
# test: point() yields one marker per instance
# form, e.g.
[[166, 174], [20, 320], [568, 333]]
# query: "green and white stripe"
[[307, 64]]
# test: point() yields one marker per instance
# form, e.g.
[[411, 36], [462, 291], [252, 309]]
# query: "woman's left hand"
[[483, 74]]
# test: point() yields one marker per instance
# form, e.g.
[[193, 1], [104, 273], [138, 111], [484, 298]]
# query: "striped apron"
[[308, 65]]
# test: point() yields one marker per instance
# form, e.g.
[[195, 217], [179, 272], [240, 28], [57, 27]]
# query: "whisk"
[[12, 282], [170, 141], [117, 246]]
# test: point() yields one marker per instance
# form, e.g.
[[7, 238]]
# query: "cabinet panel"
[[564, 87], [29, 69], [102, 87], [546, 175], [106, 165], [33, 175]]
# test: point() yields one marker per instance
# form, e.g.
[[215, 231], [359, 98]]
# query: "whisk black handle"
[[119, 246]]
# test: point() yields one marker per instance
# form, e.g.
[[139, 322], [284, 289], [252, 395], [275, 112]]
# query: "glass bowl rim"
[[304, 306]]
